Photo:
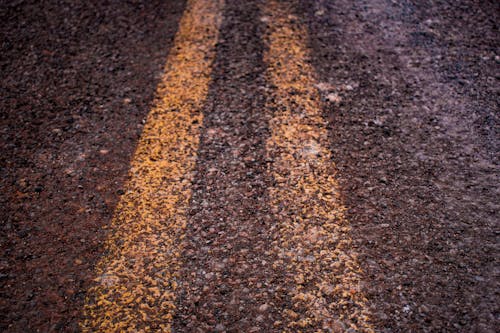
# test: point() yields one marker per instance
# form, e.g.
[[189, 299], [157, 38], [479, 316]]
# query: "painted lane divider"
[[136, 281], [312, 239]]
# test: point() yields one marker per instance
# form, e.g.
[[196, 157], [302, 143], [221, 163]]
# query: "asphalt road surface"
[[249, 166]]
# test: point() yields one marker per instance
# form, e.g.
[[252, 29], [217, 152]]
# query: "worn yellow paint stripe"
[[313, 233], [136, 281]]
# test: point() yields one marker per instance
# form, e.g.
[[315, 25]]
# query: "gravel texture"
[[77, 83], [406, 101], [227, 275], [415, 139]]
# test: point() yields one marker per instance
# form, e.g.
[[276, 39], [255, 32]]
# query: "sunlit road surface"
[[135, 288]]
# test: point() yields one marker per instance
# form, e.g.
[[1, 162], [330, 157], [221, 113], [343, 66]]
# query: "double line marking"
[[135, 288]]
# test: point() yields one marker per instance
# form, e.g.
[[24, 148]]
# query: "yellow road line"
[[313, 238], [135, 288]]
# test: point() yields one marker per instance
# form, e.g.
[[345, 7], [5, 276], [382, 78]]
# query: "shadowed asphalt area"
[[227, 280]]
